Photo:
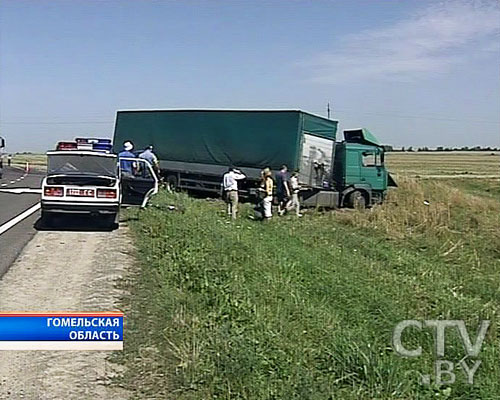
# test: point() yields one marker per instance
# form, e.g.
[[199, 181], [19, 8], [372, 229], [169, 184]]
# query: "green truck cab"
[[359, 171], [195, 147]]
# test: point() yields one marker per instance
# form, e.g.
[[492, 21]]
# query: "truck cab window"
[[379, 162], [368, 159]]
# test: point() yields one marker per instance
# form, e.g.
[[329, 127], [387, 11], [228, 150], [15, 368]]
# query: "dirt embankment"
[[64, 271]]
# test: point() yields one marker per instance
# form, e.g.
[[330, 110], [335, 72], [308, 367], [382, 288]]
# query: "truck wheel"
[[172, 183], [357, 200]]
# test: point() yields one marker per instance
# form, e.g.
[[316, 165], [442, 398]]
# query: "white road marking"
[[16, 180], [14, 221], [21, 190]]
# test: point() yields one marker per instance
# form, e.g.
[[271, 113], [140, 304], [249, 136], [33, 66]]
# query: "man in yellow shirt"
[[268, 184]]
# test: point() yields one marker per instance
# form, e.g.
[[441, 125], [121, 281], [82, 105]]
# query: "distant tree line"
[[440, 148]]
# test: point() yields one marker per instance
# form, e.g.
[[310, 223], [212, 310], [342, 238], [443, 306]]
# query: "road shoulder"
[[65, 271]]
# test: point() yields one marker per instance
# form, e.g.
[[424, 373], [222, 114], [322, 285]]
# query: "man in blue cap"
[[150, 157]]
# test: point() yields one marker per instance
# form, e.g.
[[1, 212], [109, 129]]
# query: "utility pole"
[[2, 147], [328, 109]]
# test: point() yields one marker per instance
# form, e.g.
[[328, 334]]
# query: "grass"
[[305, 308], [36, 161], [445, 164], [489, 188]]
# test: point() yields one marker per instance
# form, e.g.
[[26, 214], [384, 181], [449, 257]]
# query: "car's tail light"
[[106, 193], [53, 191]]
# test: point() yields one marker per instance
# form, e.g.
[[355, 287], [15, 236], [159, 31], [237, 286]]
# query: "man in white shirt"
[[230, 186], [294, 183]]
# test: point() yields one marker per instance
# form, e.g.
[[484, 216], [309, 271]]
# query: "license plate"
[[80, 192]]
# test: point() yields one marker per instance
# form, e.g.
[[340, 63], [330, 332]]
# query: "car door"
[[138, 181]]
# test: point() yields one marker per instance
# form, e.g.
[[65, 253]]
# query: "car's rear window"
[[79, 164]]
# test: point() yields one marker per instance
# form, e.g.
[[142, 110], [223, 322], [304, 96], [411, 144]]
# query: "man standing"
[[9, 160], [283, 192], [230, 186], [294, 186], [150, 157], [127, 166]]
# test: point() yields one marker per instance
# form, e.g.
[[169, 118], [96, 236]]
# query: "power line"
[[378, 114]]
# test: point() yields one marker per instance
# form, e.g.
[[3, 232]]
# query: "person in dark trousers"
[[9, 160], [283, 192], [127, 166]]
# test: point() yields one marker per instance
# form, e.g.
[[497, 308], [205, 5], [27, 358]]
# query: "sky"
[[414, 72]]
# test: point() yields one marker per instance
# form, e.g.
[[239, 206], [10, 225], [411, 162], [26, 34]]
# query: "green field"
[[447, 164], [305, 308], [35, 161]]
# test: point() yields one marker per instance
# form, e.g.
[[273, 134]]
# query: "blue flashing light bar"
[[90, 144]]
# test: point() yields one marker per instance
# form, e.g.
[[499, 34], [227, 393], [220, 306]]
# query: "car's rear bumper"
[[80, 208]]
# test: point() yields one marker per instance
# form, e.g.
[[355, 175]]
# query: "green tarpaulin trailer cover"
[[243, 138]]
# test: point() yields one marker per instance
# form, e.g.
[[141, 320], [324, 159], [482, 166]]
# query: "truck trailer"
[[196, 147]]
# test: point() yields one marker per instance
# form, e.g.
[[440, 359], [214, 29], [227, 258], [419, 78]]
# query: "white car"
[[90, 182]]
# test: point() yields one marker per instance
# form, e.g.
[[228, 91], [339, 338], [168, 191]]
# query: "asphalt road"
[[11, 205]]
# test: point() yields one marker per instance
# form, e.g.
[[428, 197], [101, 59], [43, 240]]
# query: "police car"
[[84, 177]]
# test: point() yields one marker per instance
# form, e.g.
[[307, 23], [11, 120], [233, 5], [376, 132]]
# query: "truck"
[[84, 177], [195, 147]]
